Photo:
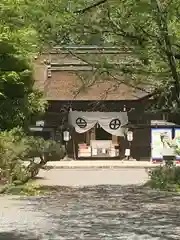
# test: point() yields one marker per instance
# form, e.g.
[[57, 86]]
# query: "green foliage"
[[51, 20], [28, 189], [16, 148], [165, 178], [46, 150], [18, 100], [12, 152], [18, 43], [148, 29]]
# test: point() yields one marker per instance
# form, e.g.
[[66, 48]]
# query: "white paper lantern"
[[130, 136], [127, 152], [66, 136]]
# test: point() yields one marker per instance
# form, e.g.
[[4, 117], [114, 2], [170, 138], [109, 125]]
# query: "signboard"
[[36, 129], [40, 123], [156, 143], [177, 137]]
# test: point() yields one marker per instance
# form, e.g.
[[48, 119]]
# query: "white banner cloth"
[[111, 122]]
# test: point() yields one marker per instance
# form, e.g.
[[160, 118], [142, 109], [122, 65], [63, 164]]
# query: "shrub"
[[16, 147], [165, 178], [45, 150]]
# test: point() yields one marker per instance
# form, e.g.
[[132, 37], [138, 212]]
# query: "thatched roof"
[[69, 73]]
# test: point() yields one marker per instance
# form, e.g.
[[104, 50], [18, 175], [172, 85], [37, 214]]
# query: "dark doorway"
[[101, 134]]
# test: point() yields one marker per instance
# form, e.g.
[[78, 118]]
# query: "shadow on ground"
[[15, 236], [97, 212]]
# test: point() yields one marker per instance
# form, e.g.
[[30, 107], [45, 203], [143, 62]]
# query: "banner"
[[177, 139], [156, 142], [111, 122]]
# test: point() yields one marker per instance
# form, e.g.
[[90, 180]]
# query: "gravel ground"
[[111, 211]]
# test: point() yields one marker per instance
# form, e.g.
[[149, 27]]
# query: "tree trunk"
[[163, 27], [33, 169]]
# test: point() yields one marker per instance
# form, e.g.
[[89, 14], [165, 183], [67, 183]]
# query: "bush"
[[47, 150], [16, 147], [165, 178]]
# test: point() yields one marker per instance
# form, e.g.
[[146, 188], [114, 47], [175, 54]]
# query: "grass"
[[168, 188], [29, 189]]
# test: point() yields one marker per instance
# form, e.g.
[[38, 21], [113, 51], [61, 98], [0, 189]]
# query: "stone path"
[[85, 177], [101, 163], [106, 212]]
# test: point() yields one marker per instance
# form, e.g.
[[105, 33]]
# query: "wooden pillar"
[[114, 140], [88, 137], [93, 134]]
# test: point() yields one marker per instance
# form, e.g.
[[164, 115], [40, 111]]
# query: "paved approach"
[[88, 176], [101, 163]]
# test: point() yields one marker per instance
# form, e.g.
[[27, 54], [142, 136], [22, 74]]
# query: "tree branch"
[[162, 23], [91, 6], [121, 81], [176, 45], [119, 31], [177, 56]]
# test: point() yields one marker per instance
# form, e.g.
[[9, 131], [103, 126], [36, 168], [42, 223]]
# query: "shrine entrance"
[[98, 134]]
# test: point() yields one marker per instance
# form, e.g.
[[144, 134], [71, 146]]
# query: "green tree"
[[19, 101], [149, 30], [18, 44]]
